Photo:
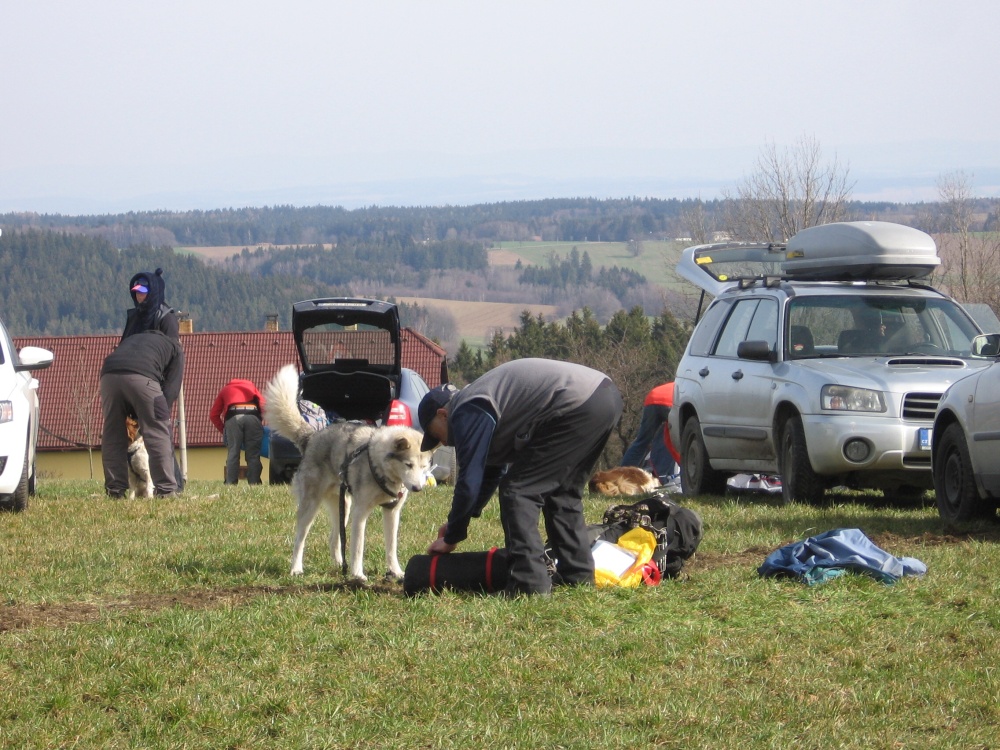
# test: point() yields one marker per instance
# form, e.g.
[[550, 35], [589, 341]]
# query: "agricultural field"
[[175, 624]]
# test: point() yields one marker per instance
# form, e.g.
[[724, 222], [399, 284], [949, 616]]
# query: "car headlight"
[[6, 411], [845, 398]]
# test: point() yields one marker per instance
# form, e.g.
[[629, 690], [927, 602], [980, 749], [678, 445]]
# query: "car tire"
[[954, 484], [18, 501], [697, 475], [798, 480]]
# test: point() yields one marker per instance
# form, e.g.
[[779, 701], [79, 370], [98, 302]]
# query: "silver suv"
[[820, 359]]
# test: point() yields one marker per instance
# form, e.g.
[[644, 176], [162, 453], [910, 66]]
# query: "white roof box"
[[860, 250]]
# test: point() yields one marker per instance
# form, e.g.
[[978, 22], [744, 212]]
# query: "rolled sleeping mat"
[[484, 572]]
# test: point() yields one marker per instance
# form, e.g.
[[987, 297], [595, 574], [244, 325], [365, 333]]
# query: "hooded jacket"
[[153, 313]]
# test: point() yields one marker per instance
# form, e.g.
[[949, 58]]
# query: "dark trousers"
[[548, 477], [243, 432], [127, 393], [649, 440]]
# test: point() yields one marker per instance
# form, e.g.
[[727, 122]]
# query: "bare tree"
[[790, 189], [694, 221], [970, 261], [85, 405]]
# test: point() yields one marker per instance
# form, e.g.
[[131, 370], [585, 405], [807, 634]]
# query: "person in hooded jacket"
[[142, 378], [151, 312]]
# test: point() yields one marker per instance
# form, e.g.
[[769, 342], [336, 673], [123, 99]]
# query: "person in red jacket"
[[236, 413], [653, 439]]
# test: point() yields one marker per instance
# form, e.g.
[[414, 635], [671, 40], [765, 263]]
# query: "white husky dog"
[[379, 465]]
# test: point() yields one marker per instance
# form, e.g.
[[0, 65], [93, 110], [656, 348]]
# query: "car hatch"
[[350, 352]]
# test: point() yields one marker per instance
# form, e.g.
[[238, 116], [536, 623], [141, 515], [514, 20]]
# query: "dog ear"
[[402, 444]]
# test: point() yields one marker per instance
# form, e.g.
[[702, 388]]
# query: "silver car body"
[[771, 349], [966, 442]]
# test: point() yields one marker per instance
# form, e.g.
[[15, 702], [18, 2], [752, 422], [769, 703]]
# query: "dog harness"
[[345, 487]]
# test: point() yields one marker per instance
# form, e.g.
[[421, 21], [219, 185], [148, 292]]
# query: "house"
[[69, 441]]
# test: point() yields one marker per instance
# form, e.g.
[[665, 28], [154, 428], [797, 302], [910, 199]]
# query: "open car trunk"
[[350, 351]]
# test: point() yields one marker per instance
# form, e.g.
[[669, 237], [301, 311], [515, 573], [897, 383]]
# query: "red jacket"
[[663, 395], [236, 391]]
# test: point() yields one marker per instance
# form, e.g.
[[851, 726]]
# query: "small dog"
[[623, 480], [380, 466], [139, 480]]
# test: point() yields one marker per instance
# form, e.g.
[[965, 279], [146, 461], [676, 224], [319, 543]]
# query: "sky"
[[116, 105]]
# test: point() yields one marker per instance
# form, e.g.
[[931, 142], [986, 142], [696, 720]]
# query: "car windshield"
[[857, 325]]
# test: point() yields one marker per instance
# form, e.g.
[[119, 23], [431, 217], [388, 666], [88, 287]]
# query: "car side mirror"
[[986, 345], [759, 351]]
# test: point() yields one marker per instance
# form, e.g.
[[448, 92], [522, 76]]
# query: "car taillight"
[[399, 413]]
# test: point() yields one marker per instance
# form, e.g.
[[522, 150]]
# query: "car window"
[[361, 344], [704, 334], [751, 319]]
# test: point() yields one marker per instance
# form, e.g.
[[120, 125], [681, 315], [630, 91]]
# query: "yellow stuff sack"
[[638, 542]]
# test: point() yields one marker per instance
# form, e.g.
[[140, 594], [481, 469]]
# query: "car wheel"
[[798, 480], [697, 475], [954, 484], [19, 500]]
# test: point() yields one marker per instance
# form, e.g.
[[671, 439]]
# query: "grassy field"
[[656, 261], [175, 624]]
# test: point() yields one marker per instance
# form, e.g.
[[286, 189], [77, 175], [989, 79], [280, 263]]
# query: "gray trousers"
[[547, 477], [127, 393], [243, 432]]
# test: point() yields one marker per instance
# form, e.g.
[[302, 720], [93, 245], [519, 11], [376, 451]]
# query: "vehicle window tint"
[[736, 327], [704, 334], [764, 325]]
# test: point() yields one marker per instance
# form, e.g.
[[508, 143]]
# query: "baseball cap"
[[141, 287], [433, 400]]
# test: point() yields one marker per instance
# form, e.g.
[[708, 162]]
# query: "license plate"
[[924, 437]]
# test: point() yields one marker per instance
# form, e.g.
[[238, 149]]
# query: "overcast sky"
[[117, 105]]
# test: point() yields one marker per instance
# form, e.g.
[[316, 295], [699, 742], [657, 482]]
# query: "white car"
[[966, 438], [18, 420]]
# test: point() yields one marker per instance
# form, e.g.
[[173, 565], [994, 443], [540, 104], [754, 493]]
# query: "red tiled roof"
[[70, 395]]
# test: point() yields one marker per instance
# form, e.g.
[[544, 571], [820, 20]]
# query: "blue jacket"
[[832, 553]]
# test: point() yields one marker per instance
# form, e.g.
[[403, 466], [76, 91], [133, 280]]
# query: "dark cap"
[[141, 286], [433, 400]]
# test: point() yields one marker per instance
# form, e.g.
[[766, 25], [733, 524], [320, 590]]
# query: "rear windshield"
[[361, 346]]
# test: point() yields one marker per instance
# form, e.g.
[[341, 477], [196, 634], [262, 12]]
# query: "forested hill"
[[59, 284], [554, 219]]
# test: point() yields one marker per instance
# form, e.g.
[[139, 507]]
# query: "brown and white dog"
[[140, 483], [623, 480]]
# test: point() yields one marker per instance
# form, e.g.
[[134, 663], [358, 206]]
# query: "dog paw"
[[390, 576]]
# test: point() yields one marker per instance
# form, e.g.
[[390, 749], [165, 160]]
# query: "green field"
[[175, 624], [656, 261]]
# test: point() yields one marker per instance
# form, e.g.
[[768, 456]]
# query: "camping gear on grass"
[[677, 530], [484, 572]]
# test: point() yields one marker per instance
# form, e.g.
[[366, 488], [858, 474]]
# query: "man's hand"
[[439, 546]]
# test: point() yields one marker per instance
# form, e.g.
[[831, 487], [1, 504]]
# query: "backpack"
[[678, 530]]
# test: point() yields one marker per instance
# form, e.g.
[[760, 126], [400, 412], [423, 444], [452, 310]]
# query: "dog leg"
[[390, 532], [305, 514], [356, 551]]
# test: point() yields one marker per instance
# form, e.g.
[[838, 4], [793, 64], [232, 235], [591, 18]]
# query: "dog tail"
[[281, 407]]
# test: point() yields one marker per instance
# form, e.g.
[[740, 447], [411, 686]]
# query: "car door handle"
[[738, 375], [703, 372]]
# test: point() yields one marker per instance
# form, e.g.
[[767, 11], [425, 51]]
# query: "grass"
[[175, 624], [656, 262]]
